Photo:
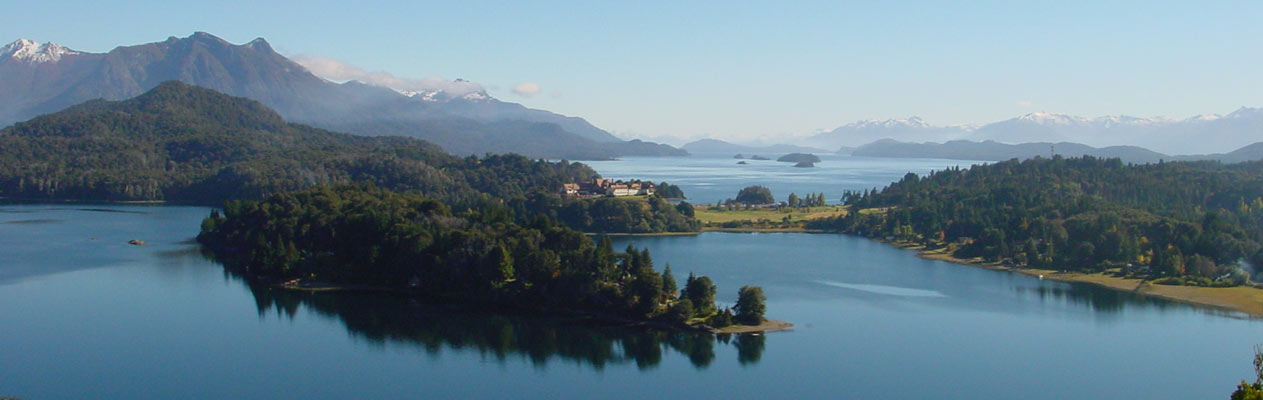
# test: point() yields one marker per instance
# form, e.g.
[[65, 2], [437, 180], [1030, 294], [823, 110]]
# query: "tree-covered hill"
[[1202, 222], [184, 143]]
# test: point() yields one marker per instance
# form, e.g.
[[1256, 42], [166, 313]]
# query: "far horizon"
[[913, 120], [744, 73]]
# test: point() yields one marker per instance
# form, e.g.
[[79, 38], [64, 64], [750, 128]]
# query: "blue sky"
[[748, 70]]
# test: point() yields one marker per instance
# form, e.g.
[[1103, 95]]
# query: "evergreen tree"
[[750, 305]]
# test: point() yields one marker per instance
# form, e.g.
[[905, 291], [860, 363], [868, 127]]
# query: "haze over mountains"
[[43, 78], [1201, 134]]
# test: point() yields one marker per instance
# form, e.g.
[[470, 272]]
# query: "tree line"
[[364, 235], [1185, 222], [187, 144]]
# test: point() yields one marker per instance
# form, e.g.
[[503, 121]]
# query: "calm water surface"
[[710, 178], [87, 316]]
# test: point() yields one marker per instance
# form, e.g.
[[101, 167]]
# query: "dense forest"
[[364, 235], [184, 143], [651, 214], [1193, 223], [189, 144]]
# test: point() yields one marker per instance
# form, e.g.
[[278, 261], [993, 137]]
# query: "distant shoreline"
[[23, 201], [1242, 299]]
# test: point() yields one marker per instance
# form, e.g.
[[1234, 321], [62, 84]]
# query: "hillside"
[[994, 151], [464, 123], [1190, 221], [184, 143]]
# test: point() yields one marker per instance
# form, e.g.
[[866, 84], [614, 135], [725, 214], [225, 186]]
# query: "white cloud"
[[1024, 104], [340, 71], [527, 89]]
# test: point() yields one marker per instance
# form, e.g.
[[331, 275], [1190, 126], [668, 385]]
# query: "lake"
[[709, 178], [86, 315]]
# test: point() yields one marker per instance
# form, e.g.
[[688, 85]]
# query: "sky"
[[741, 71]]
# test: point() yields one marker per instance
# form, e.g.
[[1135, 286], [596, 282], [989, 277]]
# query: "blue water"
[[85, 315], [711, 178]]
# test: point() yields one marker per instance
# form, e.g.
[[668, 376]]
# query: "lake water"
[[710, 178], [85, 315]]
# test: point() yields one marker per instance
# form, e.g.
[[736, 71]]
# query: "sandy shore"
[[767, 326], [1243, 299]]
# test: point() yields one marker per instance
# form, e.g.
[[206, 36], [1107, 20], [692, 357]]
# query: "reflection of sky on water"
[[711, 178]]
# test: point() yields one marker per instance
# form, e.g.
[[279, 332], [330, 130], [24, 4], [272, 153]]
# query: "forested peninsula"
[[368, 237], [1179, 223]]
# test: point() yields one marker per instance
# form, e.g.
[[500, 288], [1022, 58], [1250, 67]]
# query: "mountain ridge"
[[996, 151], [1197, 134], [254, 70]]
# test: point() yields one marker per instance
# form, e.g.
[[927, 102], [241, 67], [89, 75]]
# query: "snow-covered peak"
[[910, 122], [35, 53], [1124, 120], [1046, 118], [1204, 118], [479, 95], [440, 95]]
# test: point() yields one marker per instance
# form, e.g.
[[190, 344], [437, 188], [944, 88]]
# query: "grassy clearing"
[[712, 216]]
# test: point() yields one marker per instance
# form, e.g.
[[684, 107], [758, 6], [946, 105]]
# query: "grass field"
[[708, 216]]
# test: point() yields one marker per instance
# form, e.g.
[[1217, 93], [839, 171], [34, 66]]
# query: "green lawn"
[[709, 216]]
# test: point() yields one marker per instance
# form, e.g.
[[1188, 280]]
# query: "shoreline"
[[1240, 299], [766, 326]]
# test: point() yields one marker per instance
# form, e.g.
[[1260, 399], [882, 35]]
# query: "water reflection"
[[398, 319]]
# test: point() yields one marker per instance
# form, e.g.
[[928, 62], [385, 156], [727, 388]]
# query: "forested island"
[[799, 158], [1184, 223], [368, 237]]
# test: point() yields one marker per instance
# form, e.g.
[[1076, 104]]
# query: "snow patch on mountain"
[[32, 52]]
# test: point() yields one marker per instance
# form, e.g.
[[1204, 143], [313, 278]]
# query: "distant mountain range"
[[43, 78], [995, 151], [1207, 133], [720, 146]]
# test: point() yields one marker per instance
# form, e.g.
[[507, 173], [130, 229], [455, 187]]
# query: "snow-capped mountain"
[[43, 78], [1199, 134], [440, 95], [1206, 133], [29, 51], [861, 132]]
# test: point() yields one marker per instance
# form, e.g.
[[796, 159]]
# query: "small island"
[[805, 164], [365, 238], [739, 156], [799, 158]]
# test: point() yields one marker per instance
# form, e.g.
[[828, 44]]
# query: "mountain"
[[720, 146], [907, 129], [180, 142], [37, 79], [1200, 134], [995, 151]]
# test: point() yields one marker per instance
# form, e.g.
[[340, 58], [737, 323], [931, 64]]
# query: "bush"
[[721, 319], [680, 311]]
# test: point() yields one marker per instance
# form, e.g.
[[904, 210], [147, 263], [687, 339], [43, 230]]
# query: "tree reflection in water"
[[398, 319]]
